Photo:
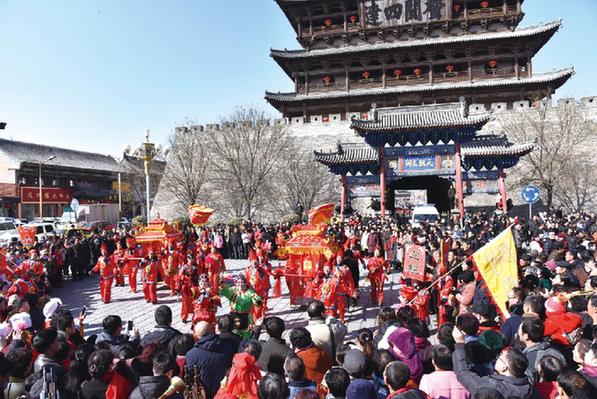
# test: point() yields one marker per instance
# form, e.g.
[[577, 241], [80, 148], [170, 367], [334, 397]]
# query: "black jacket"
[[164, 335], [94, 389], [508, 386], [152, 387], [273, 354], [212, 362]]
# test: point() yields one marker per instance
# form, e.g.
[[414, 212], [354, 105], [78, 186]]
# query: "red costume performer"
[[171, 261], [258, 278], [377, 267], [214, 262], [347, 289], [150, 277], [206, 303], [105, 267], [31, 266], [420, 301], [131, 263], [185, 284], [327, 287], [118, 259]]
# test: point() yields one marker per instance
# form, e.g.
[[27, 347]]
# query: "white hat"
[[51, 307], [20, 321], [14, 298], [5, 329]]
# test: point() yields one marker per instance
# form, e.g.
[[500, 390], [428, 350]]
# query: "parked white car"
[[424, 214], [44, 230], [8, 231]]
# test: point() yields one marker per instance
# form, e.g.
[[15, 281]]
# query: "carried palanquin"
[[157, 235], [307, 251]]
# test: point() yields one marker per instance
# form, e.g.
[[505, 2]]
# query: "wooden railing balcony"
[[482, 13], [330, 30], [393, 81]]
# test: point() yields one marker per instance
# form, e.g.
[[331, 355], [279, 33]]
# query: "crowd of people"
[[444, 338]]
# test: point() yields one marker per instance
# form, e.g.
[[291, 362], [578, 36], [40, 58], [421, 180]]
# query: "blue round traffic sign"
[[530, 194]]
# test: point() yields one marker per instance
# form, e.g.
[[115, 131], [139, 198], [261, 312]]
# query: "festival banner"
[[321, 214], [199, 214], [414, 262], [50, 195], [496, 262], [27, 235]]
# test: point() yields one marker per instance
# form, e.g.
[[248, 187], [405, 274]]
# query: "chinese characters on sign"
[[49, 195], [399, 12], [414, 262]]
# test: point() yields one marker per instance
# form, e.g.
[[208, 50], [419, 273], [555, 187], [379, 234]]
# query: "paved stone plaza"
[[133, 307]]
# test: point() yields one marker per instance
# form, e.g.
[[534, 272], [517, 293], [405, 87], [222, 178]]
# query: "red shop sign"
[[50, 195]]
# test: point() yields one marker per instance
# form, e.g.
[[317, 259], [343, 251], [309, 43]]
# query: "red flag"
[[199, 214], [321, 214], [27, 235]]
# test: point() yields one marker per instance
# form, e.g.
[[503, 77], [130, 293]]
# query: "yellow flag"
[[497, 264]]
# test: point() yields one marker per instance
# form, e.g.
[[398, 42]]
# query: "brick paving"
[[131, 306]]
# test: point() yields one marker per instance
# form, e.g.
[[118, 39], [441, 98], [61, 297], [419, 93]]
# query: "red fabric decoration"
[[277, 290], [484, 4], [397, 72], [243, 377], [418, 72], [456, 8], [328, 22], [450, 68], [365, 75], [353, 18], [493, 63]]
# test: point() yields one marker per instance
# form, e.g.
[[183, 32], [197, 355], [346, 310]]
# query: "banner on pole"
[[496, 262], [414, 262]]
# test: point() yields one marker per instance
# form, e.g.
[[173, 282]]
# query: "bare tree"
[[186, 173], [576, 189], [246, 150], [561, 134], [300, 179]]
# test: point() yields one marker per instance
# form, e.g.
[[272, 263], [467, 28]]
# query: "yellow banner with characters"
[[497, 264]]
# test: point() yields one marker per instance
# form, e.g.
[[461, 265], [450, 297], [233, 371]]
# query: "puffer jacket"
[[152, 387], [534, 355], [210, 357]]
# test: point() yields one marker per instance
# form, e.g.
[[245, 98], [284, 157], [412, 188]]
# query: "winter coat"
[[210, 357], [317, 363], [403, 347], [94, 389], [443, 384], [164, 335], [296, 386], [273, 354], [152, 387], [534, 355], [508, 386]]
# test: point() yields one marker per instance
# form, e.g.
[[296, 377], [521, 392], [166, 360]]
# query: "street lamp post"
[[148, 156], [41, 197]]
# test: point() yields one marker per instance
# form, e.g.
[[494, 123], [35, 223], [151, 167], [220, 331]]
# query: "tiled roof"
[[418, 88], [20, 152], [348, 153], [420, 117], [494, 145], [550, 28]]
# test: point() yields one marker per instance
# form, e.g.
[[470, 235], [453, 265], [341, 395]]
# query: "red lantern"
[[484, 4], [353, 19], [450, 68], [327, 79], [365, 75], [456, 8], [493, 64], [326, 119], [199, 214], [418, 72], [397, 72], [328, 22]]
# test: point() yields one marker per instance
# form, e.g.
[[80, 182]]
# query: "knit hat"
[[553, 306], [354, 361], [361, 389], [51, 307], [20, 321], [492, 340]]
